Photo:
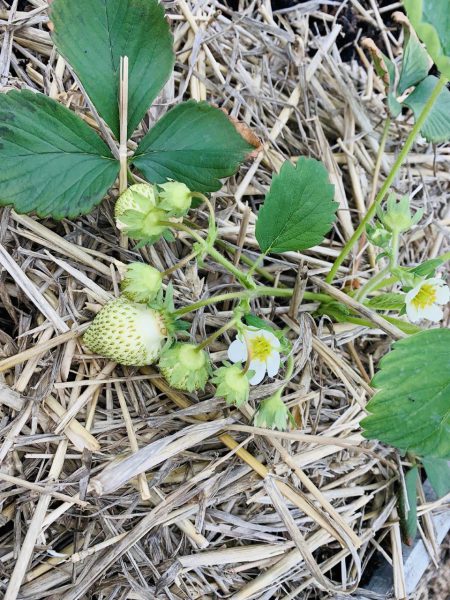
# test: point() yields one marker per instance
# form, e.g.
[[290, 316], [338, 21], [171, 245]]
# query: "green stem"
[[256, 263], [182, 227], [315, 297], [205, 199], [217, 334], [228, 265], [184, 261], [390, 178], [374, 282], [248, 261], [246, 294], [240, 276]]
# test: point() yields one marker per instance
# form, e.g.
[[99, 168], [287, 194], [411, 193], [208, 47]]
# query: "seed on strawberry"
[[127, 332]]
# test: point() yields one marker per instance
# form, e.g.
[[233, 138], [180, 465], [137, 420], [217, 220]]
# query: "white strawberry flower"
[[264, 349], [424, 301]]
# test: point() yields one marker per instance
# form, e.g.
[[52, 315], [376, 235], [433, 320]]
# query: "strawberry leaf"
[[437, 125], [415, 64], [92, 35], [438, 473], [52, 162], [411, 409], [299, 209], [194, 143], [431, 20]]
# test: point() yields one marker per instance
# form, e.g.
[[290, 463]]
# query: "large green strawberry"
[[127, 332]]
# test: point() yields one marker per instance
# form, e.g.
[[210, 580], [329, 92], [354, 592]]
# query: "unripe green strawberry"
[[140, 198], [232, 384], [127, 332], [175, 198], [185, 367], [141, 282]]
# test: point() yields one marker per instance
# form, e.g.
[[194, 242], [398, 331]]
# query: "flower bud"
[[185, 367], [397, 216], [175, 198], [272, 413], [141, 282], [232, 384]]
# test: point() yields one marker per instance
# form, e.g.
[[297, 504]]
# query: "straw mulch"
[[209, 507]]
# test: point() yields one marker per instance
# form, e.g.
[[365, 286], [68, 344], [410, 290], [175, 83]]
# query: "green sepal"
[[387, 301], [185, 367], [415, 63], [272, 413], [428, 268], [232, 383]]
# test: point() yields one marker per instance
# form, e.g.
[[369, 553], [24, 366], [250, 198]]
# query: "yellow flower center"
[[260, 348], [425, 297]]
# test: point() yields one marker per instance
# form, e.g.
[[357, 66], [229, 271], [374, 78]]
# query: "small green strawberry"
[[141, 282], [232, 383], [127, 332], [273, 413], [140, 198], [175, 198], [145, 228], [185, 367]]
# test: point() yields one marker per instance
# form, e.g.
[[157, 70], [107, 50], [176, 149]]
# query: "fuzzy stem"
[[217, 334], [206, 200], [372, 284], [390, 178], [256, 263], [241, 277], [215, 254], [179, 264], [246, 294]]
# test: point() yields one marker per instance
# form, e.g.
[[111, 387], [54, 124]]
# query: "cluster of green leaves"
[[430, 19], [54, 164]]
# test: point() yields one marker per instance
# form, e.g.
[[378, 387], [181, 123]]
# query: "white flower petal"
[[413, 314], [412, 294], [434, 281], [273, 364], [237, 351], [433, 313], [252, 332], [442, 294], [259, 369], [271, 338]]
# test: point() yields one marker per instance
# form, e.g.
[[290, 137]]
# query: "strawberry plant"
[[55, 165]]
